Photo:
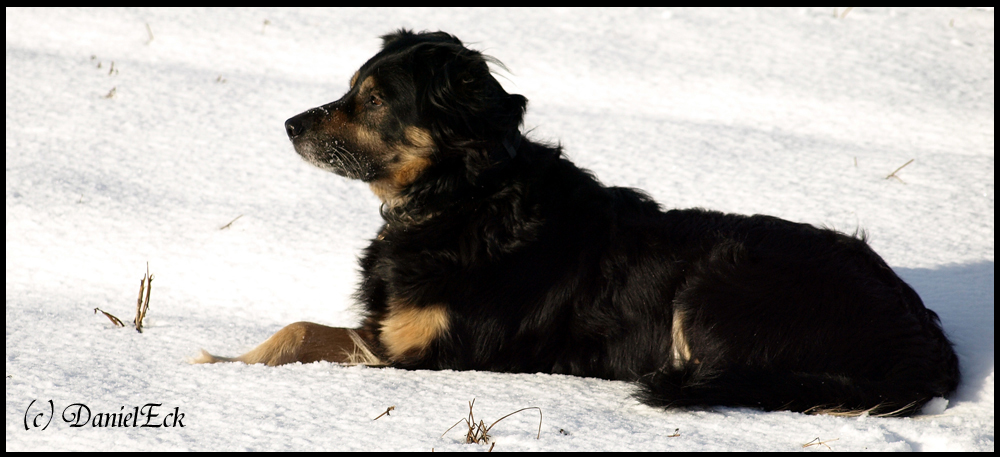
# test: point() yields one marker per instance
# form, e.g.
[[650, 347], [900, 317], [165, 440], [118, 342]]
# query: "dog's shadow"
[[962, 295]]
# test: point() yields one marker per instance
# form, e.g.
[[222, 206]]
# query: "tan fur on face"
[[354, 79], [413, 158], [367, 137], [407, 331]]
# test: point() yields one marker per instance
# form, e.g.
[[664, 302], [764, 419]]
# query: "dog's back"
[[779, 315]]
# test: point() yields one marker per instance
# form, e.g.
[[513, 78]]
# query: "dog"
[[499, 254]]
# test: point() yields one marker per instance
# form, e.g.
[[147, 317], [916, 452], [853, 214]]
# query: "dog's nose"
[[297, 125], [302, 122]]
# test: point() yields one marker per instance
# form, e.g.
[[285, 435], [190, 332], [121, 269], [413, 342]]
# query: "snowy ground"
[[793, 113]]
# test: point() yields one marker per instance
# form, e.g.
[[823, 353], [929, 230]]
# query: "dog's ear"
[[465, 104]]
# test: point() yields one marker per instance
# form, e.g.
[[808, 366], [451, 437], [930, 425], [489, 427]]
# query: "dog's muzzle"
[[301, 123]]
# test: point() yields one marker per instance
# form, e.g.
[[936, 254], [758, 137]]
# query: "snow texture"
[[133, 135]]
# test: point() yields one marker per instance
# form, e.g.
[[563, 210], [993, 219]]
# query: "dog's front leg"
[[306, 342]]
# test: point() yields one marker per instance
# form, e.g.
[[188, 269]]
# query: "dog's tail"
[[773, 390]]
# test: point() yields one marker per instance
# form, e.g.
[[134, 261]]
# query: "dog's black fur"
[[499, 254]]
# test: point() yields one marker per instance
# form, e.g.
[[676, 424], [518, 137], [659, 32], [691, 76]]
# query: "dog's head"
[[423, 100]]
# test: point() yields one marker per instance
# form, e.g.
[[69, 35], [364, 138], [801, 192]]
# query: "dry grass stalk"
[[386, 413], [479, 433], [677, 432], [237, 217], [114, 320], [142, 304], [817, 442], [893, 174], [843, 412]]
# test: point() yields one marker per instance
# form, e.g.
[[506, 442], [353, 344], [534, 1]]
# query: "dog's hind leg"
[[306, 342]]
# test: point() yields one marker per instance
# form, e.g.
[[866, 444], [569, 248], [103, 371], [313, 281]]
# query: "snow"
[[789, 112]]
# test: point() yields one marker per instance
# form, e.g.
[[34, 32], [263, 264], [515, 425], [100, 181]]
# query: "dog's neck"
[[512, 142], [397, 203]]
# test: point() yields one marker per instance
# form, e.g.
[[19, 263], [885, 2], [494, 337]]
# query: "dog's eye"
[[375, 101]]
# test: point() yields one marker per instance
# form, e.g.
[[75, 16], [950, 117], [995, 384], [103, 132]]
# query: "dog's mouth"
[[326, 151], [333, 155]]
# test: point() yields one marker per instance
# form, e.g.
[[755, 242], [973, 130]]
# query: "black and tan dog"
[[499, 254]]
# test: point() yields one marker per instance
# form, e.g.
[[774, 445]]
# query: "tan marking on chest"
[[407, 331]]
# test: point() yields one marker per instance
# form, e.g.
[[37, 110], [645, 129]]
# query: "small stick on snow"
[[816, 442], [234, 220], [893, 174], [142, 304], [112, 318], [386, 413]]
